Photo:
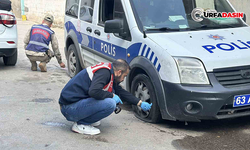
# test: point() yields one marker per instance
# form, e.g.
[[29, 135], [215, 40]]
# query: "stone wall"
[[16, 7], [35, 10], [38, 8]]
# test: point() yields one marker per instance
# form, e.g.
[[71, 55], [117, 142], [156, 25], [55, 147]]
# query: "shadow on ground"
[[229, 134]]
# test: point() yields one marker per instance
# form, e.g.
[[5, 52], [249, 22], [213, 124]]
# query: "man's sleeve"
[[27, 39], [55, 47], [100, 79], [125, 95]]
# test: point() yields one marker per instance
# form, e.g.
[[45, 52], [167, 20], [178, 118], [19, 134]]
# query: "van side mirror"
[[244, 18], [113, 26]]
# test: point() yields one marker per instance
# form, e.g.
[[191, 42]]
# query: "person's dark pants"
[[88, 111]]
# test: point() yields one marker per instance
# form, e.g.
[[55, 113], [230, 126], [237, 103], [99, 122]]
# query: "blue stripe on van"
[[151, 57], [156, 59], [159, 67], [70, 26], [143, 50], [148, 52]]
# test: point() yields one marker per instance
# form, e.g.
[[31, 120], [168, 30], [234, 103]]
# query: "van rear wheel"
[[142, 88], [74, 66]]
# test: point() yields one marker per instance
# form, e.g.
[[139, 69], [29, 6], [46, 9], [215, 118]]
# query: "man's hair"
[[120, 64], [47, 22]]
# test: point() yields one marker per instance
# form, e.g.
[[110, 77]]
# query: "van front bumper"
[[196, 103]]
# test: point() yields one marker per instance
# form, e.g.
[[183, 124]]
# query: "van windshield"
[[176, 15]]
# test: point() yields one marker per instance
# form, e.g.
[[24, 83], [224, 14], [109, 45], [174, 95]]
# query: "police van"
[[189, 70]]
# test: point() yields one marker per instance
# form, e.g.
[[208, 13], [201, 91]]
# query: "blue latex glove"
[[145, 106], [117, 99]]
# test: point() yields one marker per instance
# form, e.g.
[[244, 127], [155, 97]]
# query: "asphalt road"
[[30, 117]]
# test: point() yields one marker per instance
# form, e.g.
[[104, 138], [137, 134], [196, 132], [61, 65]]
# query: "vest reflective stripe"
[[39, 44], [92, 69], [51, 32], [109, 87], [40, 37]]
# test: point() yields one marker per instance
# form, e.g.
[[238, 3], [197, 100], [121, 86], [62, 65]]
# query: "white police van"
[[189, 70]]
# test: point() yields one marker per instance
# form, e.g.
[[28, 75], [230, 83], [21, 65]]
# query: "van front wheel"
[[143, 88], [74, 66]]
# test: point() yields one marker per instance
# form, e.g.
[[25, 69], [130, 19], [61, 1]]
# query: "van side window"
[[86, 11], [118, 9], [106, 10], [72, 8], [113, 9]]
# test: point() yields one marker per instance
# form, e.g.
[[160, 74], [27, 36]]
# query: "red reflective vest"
[[92, 69]]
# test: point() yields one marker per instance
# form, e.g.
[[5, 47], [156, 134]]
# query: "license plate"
[[241, 100]]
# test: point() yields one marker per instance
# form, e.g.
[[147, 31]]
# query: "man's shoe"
[[33, 66], [43, 67], [85, 129], [95, 124]]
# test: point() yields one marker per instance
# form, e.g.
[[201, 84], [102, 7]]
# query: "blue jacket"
[[81, 87], [78, 87], [40, 36]]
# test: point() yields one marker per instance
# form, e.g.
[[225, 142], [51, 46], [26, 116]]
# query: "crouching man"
[[37, 42], [93, 95]]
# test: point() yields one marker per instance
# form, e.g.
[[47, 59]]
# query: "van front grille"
[[232, 77], [229, 110]]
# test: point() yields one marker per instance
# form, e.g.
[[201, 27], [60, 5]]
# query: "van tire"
[[73, 63], [11, 60], [142, 88]]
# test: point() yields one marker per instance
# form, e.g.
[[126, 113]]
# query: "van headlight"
[[191, 71]]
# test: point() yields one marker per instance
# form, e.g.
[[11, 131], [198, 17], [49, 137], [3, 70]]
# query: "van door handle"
[[89, 29], [97, 32]]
